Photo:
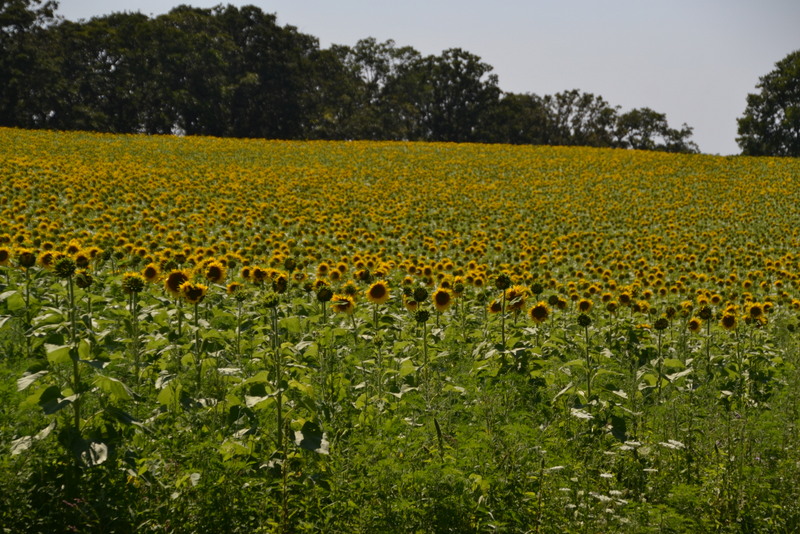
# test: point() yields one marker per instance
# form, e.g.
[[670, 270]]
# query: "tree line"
[[234, 72]]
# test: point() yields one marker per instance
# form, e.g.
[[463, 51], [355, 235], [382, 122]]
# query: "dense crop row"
[[210, 335]]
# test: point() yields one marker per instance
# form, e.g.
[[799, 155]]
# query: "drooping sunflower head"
[[132, 283], [442, 299], [25, 258], [192, 292], [378, 292], [495, 306], [65, 267], [173, 282]]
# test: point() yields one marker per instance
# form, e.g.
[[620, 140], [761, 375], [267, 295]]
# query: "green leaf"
[[115, 389], [312, 438], [407, 367], [84, 350], [14, 300], [58, 354], [28, 379]]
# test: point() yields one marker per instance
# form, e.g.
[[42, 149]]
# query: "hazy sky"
[[694, 60]]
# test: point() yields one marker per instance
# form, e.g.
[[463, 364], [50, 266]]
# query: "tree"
[[771, 122], [580, 119], [645, 129], [23, 53], [457, 95]]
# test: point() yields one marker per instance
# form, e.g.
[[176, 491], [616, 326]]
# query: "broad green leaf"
[[29, 379], [14, 301], [115, 389], [58, 354]]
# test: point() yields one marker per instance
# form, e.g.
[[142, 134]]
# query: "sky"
[[693, 60]]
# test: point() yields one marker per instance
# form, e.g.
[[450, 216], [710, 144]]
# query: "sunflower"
[[515, 298], [233, 288], [133, 283], [539, 312], [258, 275], [695, 324], [728, 321], [5, 255], [410, 304], [378, 292], [151, 272], [495, 307], [173, 282], [26, 258], [193, 293], [584, 305], [342, 303], [442, 299], [755, 310], [215, 272], [350, 289]]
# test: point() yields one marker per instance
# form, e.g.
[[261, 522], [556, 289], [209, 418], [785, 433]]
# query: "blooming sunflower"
[[442, 299], [515, 298], [584, 305], [539, 312], [151, 272], [378, 292], [193, 293], [728, 321], [215, 272], [695, 324], [173, 282]]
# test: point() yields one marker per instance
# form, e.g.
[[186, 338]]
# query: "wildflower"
[[695, 324], [495, 307], [378, 292], [584, 305]]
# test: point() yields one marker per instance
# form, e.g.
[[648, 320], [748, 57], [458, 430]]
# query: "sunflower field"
[[208, 335]]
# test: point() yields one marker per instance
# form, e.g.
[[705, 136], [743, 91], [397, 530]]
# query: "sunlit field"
[[208, 335]]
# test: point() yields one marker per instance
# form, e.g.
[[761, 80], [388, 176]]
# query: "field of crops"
[[207, 335]]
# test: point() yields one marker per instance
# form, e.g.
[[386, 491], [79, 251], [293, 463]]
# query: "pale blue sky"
[[694, 60]]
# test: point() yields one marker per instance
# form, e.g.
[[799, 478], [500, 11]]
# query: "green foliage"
[[770, 125]]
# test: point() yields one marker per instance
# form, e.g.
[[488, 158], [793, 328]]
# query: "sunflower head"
[[65, 267], [26, 258], [728, 321], [502, 281], [539, 312], [151, 272], [132, 283], [378, 292], [584, 320], [515, 298], [442, 299], [695, 324], [324, 293], [83, 279], [193, 293], [584, 305], [215, 272], [343, 303], [173, 282]]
